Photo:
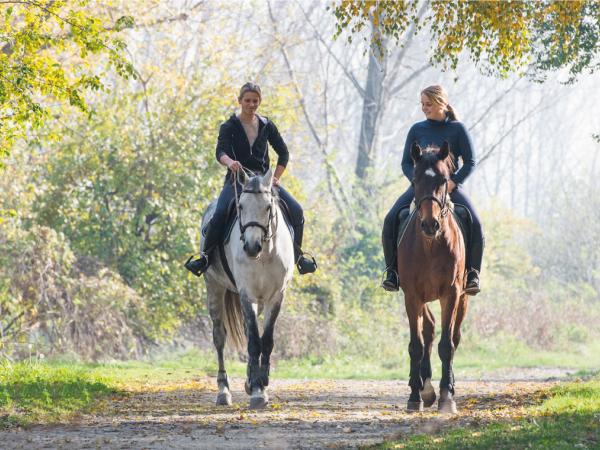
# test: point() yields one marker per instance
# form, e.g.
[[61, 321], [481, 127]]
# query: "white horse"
[[260, 254]]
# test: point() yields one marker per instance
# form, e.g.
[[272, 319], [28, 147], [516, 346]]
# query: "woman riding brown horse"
[[431, 259]]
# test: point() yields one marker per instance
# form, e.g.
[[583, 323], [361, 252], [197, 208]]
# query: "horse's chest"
[[265, 279]]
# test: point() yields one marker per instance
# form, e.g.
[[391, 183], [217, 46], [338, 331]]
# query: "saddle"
[[461, 215]]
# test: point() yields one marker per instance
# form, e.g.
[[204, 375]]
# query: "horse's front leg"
[[428, 392], [271, 313], [416, 350], [446, 347], [254, 386]]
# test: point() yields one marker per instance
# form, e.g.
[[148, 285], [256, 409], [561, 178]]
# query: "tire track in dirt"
[[301, 414]]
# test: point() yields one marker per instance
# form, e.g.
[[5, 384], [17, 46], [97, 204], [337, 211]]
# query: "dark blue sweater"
[[433, 132]]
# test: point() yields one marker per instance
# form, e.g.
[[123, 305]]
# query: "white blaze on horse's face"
[[256, 213], [430, 173]]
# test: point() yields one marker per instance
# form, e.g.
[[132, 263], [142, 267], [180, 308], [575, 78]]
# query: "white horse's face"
[[256, 212]]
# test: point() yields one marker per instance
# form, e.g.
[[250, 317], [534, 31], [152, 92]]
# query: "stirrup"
[[387, 284], [306, 265], [197, 266]]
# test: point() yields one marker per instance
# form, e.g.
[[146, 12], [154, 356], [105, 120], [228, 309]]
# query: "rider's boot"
[[472, 286], [475, 255], [303, 263], [391, 281], [201, 264]]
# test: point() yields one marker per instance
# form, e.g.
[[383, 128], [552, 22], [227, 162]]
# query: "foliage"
[[48, 47], [129, 189], [48, 301], [500, 36]]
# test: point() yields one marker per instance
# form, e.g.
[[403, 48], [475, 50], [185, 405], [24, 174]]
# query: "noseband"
[[442, 203]]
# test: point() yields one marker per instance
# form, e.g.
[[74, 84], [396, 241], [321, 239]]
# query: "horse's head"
[[256, 211], [433, 168]]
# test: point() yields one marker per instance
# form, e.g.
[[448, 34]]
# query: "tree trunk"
[[372, 106]]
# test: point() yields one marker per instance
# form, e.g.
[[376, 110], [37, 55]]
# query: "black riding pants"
[[390, 228], [217, 224]]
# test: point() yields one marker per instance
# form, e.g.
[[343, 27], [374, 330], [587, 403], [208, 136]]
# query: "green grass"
[[32, 392], [568, 419]]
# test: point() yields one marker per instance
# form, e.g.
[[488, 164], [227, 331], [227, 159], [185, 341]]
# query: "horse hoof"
[[258, 402], [447, 407], [248, 388], [414, 406], [224, 399], [428, 394]]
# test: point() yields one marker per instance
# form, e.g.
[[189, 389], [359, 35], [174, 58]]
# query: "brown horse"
[[431, 263]]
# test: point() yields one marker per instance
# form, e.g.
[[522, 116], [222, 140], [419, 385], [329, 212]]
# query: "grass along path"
[[567, 418]]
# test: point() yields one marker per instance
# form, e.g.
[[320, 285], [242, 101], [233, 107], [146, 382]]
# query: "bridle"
[[266, 229], [442, 203]]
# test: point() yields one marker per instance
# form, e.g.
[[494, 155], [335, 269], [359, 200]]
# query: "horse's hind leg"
[[216, 308], [460, 315], [416, 349], [428, 392]]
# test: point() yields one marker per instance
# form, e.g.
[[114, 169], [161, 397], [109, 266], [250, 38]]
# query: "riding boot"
[[304, 264], [392, 280], [475, 256], [201, 264]]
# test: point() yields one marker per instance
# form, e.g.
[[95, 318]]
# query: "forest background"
[[105, 178]]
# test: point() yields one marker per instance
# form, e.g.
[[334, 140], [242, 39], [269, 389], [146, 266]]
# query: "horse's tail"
[[234, 320]]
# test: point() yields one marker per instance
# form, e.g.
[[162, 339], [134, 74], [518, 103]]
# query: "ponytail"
[[451, 113]]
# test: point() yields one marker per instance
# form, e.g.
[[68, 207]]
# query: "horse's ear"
[[444, 151], [416, 152], [267, 179]]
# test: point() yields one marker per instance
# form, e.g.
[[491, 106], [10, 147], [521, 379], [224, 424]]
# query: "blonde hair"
[[438, 95], [250, 87]]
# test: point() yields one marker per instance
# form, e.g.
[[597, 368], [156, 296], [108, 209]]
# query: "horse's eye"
[[267, 208]]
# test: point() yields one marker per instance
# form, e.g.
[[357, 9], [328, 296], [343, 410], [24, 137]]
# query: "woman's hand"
[[275, 181], [234, 166], [451, 185]]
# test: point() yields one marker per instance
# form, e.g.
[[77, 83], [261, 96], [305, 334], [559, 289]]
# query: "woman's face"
[[249, 102], [432, 110]]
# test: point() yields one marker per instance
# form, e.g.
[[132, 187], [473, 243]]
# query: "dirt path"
[[302, 414]]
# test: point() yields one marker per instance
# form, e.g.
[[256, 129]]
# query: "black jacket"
[[234, 143]]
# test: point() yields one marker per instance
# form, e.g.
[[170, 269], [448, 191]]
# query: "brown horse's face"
[[432, 172]]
